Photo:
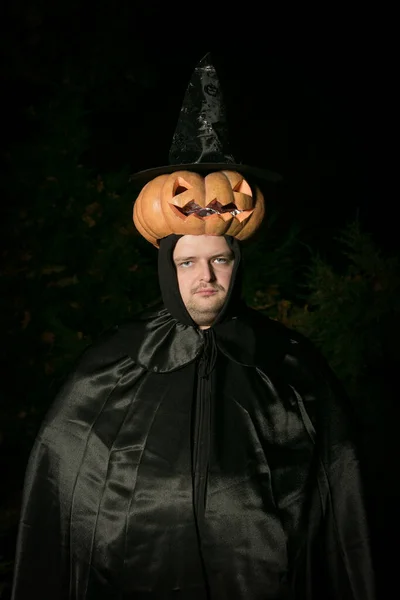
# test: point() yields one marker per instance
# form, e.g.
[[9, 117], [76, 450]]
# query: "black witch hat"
[[200, 142]]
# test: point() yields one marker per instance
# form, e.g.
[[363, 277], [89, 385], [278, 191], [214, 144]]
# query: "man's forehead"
[[201, 245]]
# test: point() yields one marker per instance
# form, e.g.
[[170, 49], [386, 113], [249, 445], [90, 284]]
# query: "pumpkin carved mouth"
[[213, 208]]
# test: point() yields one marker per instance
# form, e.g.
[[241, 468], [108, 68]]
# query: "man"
[[204, 267], [201, 451]]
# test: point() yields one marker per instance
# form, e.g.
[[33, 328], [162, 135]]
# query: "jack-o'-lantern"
[[186, 203], [203, 191]]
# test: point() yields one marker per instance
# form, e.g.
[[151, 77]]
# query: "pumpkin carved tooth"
[[214, 208], [186, 203]]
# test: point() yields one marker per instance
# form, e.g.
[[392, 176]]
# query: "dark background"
[[310, 95]]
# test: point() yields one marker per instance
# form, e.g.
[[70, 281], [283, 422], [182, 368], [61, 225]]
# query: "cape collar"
[[160, 343]]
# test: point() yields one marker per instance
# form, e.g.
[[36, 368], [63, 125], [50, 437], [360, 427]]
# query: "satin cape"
[[202, 465]]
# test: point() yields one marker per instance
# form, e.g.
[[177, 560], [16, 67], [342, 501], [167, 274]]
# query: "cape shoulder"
[[153, 340], [254, 339], [286, 354]]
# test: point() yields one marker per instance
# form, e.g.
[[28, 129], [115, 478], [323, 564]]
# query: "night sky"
[[309, 99]]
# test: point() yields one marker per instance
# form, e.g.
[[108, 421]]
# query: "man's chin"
[[211, 303], [204, 320], [205, 313]]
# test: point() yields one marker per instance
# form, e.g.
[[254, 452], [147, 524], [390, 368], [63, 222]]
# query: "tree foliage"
[[353, 314], [73, 264]]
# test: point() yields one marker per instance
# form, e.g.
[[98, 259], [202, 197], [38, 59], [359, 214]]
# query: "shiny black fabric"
[[134, 491], [201, 134]]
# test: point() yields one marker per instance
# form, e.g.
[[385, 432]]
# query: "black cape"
[[180, 463]]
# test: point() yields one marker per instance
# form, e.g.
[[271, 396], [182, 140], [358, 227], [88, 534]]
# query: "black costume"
[[180, 463], [196, 464]]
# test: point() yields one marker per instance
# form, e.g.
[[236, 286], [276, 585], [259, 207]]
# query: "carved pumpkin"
[[186, 203]]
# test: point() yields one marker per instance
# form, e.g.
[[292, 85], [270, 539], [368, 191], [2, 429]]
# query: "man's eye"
[[185, 263], [221, 260]]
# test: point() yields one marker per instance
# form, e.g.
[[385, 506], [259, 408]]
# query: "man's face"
[[204, 265]]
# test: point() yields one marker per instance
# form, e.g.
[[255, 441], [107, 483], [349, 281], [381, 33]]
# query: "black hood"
[[170, 289]]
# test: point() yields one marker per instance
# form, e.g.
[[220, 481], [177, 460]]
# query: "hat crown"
[[201, 134]]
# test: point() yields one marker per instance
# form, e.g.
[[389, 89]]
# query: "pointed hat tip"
[[206, 59]]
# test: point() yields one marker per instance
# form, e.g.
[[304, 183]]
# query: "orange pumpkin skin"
[[147, 214], [178, 203]]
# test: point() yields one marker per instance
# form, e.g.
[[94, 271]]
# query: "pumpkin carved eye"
[[180, 186], [243, 187]]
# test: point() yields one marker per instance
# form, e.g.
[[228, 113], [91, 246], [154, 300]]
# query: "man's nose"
[[207, 273]]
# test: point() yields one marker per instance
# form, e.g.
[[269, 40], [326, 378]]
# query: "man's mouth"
[[206, 291]]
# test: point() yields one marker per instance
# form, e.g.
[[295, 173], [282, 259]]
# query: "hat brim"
[[261, 175]]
